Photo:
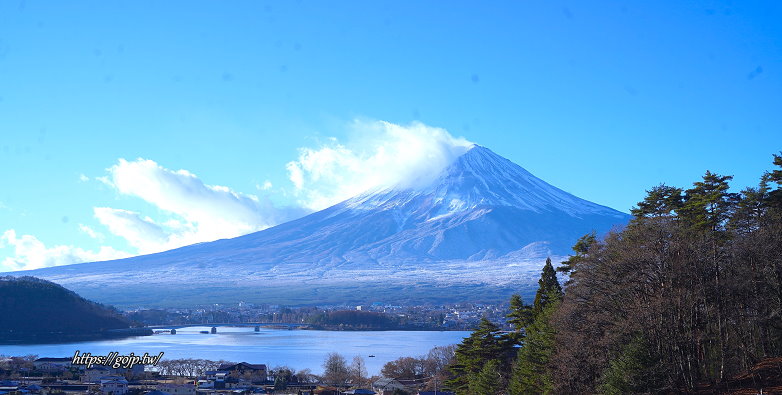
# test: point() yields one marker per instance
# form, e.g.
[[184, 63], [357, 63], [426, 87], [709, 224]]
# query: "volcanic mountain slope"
[[479, 231]]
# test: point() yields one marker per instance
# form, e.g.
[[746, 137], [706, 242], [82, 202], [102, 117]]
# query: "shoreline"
[[64, 338]]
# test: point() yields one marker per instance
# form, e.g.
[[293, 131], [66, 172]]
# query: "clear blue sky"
[[603, 100]]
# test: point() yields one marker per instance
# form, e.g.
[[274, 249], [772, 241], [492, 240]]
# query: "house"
[[204, 384], [94, 374], [217, 375], [52, 364], [215, 379], [113, 385], [387, 386], [360, 391], [134, 371], [256, 372]]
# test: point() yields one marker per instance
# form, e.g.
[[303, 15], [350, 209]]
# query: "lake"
[[298, 349]]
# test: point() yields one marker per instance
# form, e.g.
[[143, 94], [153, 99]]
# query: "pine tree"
[[520, 316], [751, 207], [707, 204], [547, 285], [775, 176], [486, 343], [531, 374], [488, 381], [581, 249], [659, 201]]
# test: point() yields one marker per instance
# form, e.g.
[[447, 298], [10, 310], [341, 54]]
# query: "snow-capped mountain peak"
[[482, 222], [482, 178]]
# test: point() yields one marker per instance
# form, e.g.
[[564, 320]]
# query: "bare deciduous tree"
[[335, 369]]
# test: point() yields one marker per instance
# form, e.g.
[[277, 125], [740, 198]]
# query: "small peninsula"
[[40, 311]]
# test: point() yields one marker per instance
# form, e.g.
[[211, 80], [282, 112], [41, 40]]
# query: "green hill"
[[35, 310]]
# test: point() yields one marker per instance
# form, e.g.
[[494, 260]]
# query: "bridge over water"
[[230, 324]]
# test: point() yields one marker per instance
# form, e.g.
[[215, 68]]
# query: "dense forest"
[[353, 320], [687, 296], [35, 310]]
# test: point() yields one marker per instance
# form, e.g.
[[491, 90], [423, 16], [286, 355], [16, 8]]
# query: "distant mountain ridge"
[[483, 224]]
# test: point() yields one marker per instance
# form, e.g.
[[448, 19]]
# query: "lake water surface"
[[298, 349]]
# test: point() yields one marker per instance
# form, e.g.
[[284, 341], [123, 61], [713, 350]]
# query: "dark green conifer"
[[775, 176], [486, 343], [488, 381], [659, 201], [581, 249], [708, 204], [547, 285], [751, 207], [520, 316], [531, 374]]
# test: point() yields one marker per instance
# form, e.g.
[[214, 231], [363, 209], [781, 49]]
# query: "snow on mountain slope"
[[485, 224], [481, 177]]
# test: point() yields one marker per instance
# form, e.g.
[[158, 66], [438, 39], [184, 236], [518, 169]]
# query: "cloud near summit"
[[381, 154], [188, 210]]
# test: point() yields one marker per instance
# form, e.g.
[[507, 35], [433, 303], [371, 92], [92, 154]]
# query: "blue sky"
[[602, 100]]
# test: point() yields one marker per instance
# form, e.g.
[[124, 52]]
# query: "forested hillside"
[[38, 310], [687, 296]]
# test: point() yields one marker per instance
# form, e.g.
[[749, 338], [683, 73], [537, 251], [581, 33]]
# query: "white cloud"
[[295, 172], [267, 185], [142, 233], [380, 154], [91, 232], [31, 253], [203, 212], [383, 155], [105, 180], [181, 192]]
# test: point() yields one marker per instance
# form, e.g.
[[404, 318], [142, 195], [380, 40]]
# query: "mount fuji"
[[478, 232]]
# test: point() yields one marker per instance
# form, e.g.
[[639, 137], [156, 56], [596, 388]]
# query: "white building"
[[113, 385]]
